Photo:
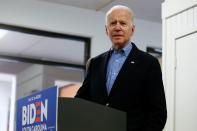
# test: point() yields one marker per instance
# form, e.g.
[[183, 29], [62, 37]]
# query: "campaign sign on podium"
[[38, 112]]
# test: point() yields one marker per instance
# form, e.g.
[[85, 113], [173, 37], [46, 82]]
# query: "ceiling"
[[143, 9], [34, 47]]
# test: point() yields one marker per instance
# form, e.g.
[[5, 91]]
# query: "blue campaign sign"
[[38, 112]]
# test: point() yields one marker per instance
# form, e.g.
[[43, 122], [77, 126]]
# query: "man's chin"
[[118, 45], [118, 42]]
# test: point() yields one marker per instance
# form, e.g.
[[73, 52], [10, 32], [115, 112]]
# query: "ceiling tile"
[[56, 49], [14, 42]]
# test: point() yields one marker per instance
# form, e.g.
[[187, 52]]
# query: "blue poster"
[[37, 112]]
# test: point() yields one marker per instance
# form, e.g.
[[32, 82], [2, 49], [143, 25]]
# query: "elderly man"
[[126, 78]]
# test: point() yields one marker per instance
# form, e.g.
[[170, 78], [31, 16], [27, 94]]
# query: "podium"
[[76, 114], [46, 111]]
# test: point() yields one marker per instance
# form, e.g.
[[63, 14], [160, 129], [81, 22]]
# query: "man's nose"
[[117, 26]]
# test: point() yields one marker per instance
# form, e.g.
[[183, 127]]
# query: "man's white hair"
[[119, 7]]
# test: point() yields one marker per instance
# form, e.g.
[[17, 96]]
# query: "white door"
[[186, 83]]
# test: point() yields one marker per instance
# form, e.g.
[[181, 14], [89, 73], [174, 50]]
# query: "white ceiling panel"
[[13, 42], [43, 48], [56, 49]]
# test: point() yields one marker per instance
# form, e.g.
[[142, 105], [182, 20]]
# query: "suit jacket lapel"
[[103, 70]]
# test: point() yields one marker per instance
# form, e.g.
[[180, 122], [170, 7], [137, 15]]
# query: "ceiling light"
[[3, 33]]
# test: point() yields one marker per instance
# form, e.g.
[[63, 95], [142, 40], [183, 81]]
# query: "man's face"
[[119, 27]]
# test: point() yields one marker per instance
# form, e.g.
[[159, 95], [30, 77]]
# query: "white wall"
[[71, 20], [29, 80], [37, 77], [147, 33]]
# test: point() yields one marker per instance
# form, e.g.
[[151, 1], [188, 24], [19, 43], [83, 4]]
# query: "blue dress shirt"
[[115, 63]]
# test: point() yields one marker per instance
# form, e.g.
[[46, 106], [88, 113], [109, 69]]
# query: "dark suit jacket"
[[138, 89]]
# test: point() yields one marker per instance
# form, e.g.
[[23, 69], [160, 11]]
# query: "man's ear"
[[106, 31], [133, 28]]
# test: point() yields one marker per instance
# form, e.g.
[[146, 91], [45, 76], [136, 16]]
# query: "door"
[[186, 83]]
